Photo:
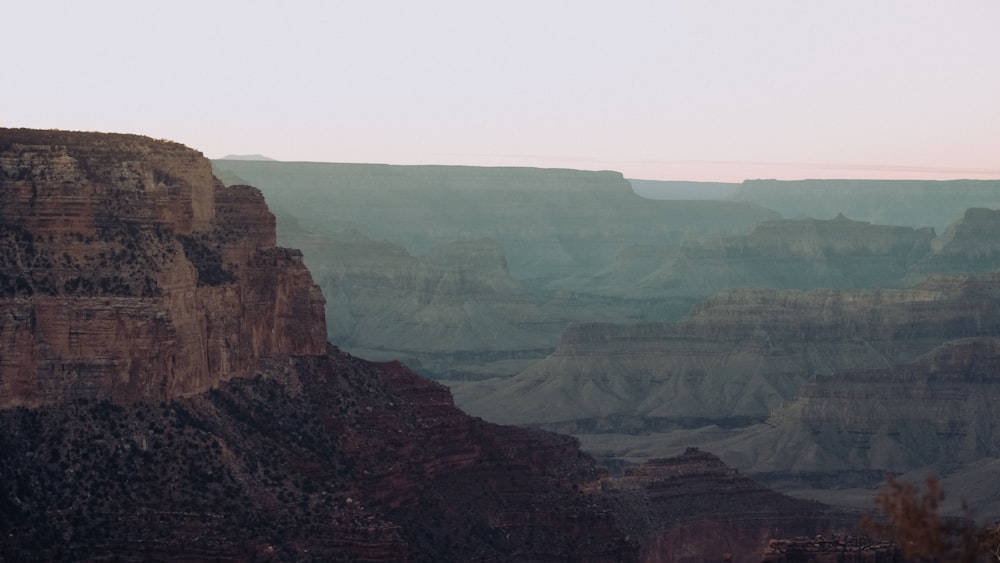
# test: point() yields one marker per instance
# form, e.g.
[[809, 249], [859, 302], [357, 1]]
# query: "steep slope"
[[301, 451]]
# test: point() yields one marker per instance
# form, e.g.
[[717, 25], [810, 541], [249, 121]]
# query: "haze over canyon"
[[641, 375]]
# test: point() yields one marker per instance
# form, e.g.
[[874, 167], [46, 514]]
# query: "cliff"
[[129, 272]]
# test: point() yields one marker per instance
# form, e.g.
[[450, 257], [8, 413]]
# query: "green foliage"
[[911, 520]]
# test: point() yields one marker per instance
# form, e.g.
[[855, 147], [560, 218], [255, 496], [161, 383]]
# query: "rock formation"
[[699, 508], [934, 411], [734, 358], [176, 277], [167, 395], [821, 549], [969, 245]]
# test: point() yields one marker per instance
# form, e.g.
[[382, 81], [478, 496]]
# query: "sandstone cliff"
[[128, 272]]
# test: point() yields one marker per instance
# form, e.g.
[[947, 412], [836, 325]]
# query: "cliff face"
[[128, 272]]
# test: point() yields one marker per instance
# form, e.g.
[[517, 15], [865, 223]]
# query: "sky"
[[707, 90]]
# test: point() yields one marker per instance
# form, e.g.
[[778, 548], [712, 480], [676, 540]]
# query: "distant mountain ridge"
[[248, 157], [911, 203]]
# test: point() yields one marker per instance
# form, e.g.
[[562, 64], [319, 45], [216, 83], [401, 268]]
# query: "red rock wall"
[[127, 271]]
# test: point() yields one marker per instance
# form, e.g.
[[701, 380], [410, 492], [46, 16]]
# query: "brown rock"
[[130, 273]]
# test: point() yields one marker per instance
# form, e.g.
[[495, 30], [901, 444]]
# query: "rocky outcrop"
[[698, 508], [128, 272], [839, 549]]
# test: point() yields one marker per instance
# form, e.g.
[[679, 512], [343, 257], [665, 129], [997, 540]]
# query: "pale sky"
[[670, 90]]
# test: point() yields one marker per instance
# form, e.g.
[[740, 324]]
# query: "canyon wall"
[[129, 272]]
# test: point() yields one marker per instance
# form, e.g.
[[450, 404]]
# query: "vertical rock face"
[[128, 272]]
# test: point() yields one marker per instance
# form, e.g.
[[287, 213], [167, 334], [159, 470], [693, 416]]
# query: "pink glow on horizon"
[[663, 90]]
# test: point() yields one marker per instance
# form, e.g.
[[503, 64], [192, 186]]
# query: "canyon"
[[167, 392], [732, 335]]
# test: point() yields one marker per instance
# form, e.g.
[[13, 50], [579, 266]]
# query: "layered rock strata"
[[735, 358], [129, 272], [795, 254]]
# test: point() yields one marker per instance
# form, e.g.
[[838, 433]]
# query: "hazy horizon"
[[675, 91]]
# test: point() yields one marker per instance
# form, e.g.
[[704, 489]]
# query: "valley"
[[731, 335]]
